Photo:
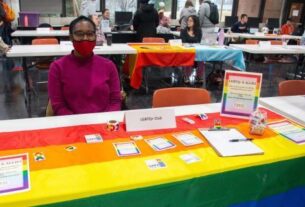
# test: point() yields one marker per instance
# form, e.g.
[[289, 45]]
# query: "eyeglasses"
[[79, 35]]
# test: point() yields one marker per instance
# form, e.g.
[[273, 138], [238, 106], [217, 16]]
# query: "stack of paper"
[[226, 144], [289, 130]]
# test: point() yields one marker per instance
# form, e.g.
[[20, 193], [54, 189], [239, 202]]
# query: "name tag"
[[177, 42], [151, 119]]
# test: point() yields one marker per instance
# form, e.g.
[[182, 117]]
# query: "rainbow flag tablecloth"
[[161, 55], [93, 174]]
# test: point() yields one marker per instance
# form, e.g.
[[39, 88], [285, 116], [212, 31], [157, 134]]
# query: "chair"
[[292, 88], [180, 96], [153, 40], [42, 63], [64, 28], [148, 69], [276, 42], [252, 42]]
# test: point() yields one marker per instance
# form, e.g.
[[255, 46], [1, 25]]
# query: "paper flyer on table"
[[289, 130], [14, 174], [126, 149], [160, 143], [241, 92], [188, 139]]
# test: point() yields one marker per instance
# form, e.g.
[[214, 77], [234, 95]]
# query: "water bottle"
[[221, 37], [303, 39]]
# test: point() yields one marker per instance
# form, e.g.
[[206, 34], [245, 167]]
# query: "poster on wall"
[[241, 91]]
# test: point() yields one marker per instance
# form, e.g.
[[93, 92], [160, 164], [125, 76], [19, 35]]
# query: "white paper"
[[188, 139], [150, 119], [93, 138], [295, 13], [160, 143], [287, 129], [12, 179], [220, 140], [126, 149], [190, 158]]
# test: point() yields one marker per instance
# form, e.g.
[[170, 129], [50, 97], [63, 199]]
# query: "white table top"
[[261, 36], [272, 49], [96, 118], [65, 49], [35, 33], [292, 107], [252, 36]]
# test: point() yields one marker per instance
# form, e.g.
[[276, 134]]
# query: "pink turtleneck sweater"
[[83, 85]]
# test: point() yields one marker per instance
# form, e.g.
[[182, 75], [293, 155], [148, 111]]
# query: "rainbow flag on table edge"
[[79, 179]]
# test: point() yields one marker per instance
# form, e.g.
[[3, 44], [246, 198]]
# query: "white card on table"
[[150, 119], [126, 148], [190, 158], [160, 143], [93, 138], [155, 164], [188, 139]]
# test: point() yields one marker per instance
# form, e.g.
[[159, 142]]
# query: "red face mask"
[[84, 47]]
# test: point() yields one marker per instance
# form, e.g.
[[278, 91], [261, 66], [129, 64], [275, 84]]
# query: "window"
[[120, 5], [168, 7], [224, 7]]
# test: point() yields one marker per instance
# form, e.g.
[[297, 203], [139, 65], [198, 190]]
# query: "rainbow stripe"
[[93, 175]]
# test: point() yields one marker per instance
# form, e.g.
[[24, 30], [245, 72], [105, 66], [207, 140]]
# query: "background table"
[[220, 53], [292, 107], [93, 175], [262, 36], [161, 55], [270, 50], [35, 33]]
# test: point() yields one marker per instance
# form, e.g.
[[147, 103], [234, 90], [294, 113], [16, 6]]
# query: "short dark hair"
[[80, 19], [104, 10], [289, 19], [243, 15]]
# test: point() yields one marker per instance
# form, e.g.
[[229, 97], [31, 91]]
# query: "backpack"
[[9, 13], [214, 14]]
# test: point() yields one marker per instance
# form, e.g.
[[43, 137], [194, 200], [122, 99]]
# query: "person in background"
[[7, 63], [242, 25], [82, 82], [88, 7], [288, 28], [106, 16], [187, 11], [192, 34], [145, 20], [100, 37], [164, 26], [208, 28]]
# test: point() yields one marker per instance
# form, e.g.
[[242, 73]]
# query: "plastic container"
[[29, 19]]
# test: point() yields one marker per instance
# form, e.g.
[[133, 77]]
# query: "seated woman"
[[192, 34], [100, 36], [82, 82]]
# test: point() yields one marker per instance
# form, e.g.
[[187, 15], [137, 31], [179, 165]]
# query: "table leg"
[[28, 95]]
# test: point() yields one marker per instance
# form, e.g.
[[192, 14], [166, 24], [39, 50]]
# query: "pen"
[[241, 140]]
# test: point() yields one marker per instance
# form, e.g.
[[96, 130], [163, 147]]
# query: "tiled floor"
[[12, 102]]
